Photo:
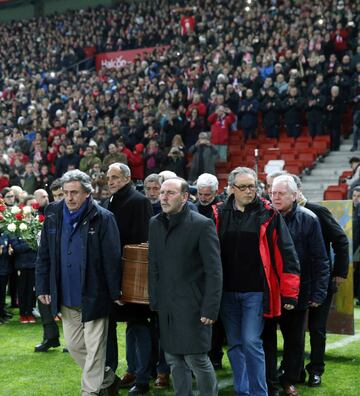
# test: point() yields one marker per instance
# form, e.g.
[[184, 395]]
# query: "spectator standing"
[[249, 108], [220, 122], [113, 156], [315, 106], [355, 95], [292, 107], [50, 329], [271, 108], [6, 268], [334, 108], [204, 157]]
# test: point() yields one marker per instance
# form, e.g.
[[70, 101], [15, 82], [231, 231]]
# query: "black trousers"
[[292, 326], [217, 341], [13, 289], [26, 292], [50, 327], [317, 328], [112, 346], [3, 282]]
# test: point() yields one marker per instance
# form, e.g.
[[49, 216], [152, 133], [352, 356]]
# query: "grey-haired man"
[[78, 273]]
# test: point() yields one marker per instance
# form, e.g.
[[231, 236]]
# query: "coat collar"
[[123, 192], [172, 221]]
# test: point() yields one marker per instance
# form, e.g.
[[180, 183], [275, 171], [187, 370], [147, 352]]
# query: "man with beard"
[[152, 185]]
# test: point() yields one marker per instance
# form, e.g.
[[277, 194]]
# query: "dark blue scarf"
[[74, 217]]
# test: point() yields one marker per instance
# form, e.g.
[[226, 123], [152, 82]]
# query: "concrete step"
[[326, 171], [314, 179]]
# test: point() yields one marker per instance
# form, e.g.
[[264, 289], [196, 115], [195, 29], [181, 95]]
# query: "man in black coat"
[[51, 331], [69, 159], [132, 212], [306, 233], [185, 281], [78, 273], [335, 238], [208, 202]]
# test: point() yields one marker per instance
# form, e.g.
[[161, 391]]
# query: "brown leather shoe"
[[127, 380], [162, 381], [290, 390]]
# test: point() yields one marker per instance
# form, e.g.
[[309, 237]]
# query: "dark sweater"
[[242, 267]]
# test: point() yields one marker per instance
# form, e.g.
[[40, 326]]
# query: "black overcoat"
[[185, 279]]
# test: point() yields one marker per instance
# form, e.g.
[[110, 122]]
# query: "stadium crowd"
[[266, 66]]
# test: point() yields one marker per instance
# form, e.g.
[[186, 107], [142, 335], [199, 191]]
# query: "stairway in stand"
[[328, 171]]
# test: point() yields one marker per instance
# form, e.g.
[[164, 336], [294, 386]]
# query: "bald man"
[[185, 281]]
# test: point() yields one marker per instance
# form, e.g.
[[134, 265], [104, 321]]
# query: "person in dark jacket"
[[315, 106], [82, 282], [185, 287], [204, 157], [25, 259], [50, 328], [271, 107], [292, 107], [334, 108], [261, 275], [306, 233], [208, 202], [69, 160], [6, 268], [335, 239], [249, 108], [132, 211]]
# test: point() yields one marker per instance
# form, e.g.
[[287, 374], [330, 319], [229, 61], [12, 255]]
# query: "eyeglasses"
[[244, 187]]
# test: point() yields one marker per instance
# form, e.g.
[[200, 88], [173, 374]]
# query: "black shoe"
[[314, 380], [65, 350], [353, 149], [47, 344], [113, 389], [139, 389]]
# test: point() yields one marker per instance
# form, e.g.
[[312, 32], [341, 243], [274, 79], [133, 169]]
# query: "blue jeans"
[[222, 152], [242, 316], [138, 350]]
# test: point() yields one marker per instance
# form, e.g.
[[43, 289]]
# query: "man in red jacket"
[[261, 276], [221, 121]]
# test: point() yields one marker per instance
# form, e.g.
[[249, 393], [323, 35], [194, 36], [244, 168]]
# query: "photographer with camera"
[[204, 157]]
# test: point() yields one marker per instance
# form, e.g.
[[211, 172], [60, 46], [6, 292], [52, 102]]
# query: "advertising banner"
[[341, 318], [118, 59]]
